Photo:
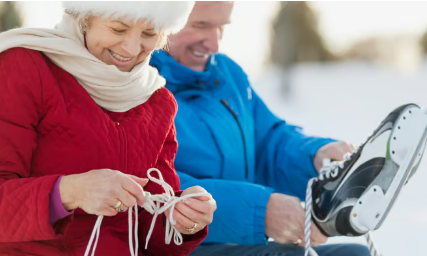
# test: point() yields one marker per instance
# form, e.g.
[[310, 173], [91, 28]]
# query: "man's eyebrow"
[[202, 23], [208, 23], [124, 24]]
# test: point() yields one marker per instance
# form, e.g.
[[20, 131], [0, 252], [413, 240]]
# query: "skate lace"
[[153, 206], [330, 169]]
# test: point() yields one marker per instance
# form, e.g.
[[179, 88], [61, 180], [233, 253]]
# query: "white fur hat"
[[169, 17]]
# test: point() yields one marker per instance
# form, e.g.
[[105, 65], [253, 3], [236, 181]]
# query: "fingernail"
[[144, 182], [187, 201]]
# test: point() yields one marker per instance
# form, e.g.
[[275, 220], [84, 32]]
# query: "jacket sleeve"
[[240, 214], [24, 200], [284, 154], [156, 244]]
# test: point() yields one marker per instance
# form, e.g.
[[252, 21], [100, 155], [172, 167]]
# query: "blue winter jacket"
[[234, 147]]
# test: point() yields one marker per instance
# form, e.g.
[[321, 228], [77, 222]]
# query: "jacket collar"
[[180, 78]]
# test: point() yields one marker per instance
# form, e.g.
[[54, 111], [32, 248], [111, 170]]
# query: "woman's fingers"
[[182, 228], [199, 209], [132, 187], [194, 190], [98, 191], [190, 213], [202, 198], [123, 196], [141, 181], [201, 206], [108, 211], [180, 218]]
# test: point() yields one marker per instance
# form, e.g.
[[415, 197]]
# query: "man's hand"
[[334, 151], [285, 221]]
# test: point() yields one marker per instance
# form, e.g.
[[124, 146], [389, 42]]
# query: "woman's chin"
[[130, 67], [121, 67], [124, 69]]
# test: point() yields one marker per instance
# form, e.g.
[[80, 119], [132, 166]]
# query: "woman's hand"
[[193, 214], [98, 191]]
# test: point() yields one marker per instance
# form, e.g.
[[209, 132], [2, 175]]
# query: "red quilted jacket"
[[50, 126]]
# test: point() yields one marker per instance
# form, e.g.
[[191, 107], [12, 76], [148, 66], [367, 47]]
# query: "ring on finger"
[[119, 207], [191, 230], [298, 241]]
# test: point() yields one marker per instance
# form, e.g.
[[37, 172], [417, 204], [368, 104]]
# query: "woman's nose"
[[132, 46]]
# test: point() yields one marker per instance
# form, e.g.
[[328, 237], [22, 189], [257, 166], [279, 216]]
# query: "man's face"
[[200, 37]]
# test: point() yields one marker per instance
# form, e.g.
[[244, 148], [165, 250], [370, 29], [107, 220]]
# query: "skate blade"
[[407, 170]]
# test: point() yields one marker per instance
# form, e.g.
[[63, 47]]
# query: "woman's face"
[[121, 43]]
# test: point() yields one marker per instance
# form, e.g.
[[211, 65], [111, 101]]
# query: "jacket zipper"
[[123, 147], [225, 103]]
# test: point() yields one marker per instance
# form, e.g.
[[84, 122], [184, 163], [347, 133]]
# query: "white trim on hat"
[[169, 17]]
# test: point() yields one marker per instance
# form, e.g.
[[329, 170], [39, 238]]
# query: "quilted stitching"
[[50, 126]]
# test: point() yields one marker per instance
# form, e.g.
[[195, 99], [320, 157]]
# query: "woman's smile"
[[119, 60]]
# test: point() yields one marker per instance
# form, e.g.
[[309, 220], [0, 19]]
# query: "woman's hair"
[[84, 23]]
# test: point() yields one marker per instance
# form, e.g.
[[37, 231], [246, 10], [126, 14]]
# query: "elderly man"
[[255, 165]]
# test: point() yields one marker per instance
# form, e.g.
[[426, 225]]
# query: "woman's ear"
[[84, 23]]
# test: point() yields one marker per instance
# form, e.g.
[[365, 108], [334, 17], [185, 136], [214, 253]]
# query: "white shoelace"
[[168, 199], [330, 169]]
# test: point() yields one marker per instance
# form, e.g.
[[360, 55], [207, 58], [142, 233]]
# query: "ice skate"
[[354, 197]]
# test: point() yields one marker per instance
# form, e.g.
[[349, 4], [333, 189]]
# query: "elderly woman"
[[82, 118]]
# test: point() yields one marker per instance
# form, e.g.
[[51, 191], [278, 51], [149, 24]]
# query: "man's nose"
[[213, 36]]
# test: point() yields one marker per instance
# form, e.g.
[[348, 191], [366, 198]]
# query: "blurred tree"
[[296, 38], [400, 51], [9, 16], [423, 43]]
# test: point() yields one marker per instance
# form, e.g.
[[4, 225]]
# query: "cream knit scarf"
[[109, 87]]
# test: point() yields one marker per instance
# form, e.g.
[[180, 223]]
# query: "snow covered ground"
[[347, 101]]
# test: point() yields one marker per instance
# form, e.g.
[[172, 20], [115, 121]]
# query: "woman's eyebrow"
[[124, 24]]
